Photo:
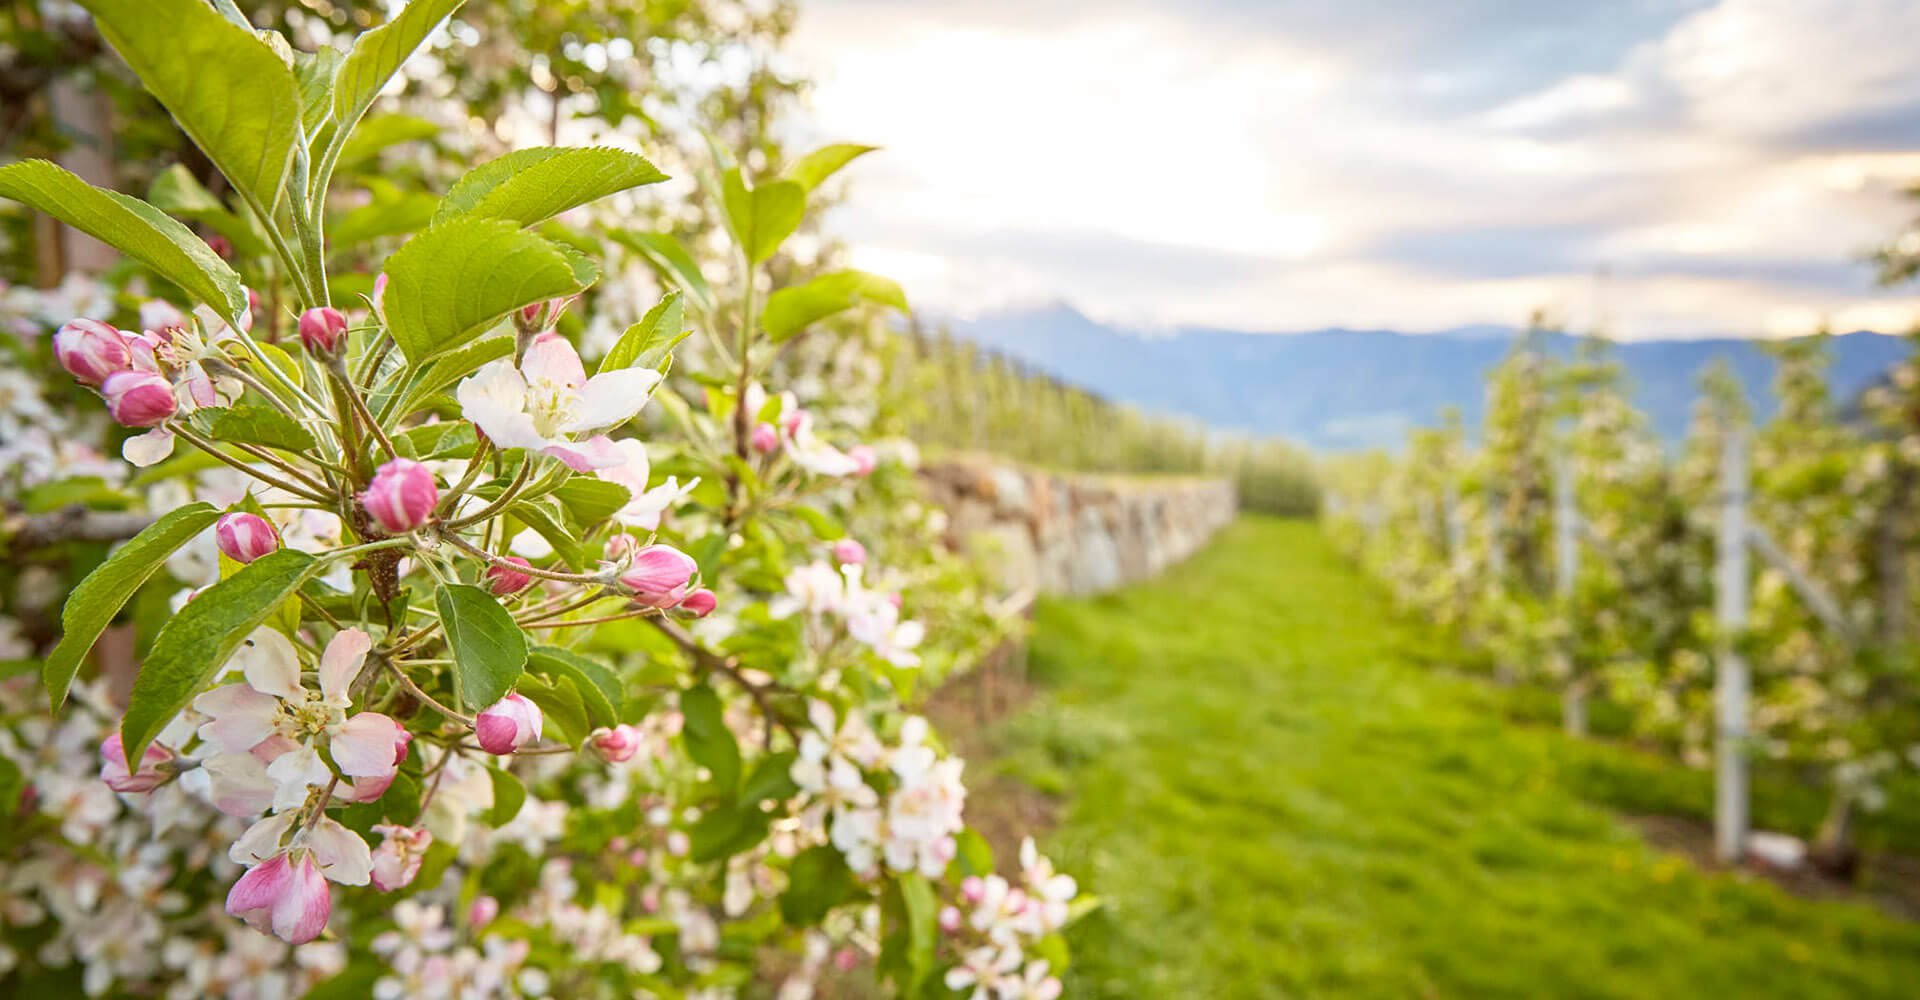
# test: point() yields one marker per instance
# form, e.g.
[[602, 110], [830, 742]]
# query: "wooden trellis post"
[[1730, 685]]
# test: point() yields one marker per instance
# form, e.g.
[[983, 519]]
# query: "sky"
[[1655, 168]]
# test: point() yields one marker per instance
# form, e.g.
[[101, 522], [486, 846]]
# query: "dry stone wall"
[[1074, 534]]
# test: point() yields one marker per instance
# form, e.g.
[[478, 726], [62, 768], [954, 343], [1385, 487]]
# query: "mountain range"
[[1339, 389]]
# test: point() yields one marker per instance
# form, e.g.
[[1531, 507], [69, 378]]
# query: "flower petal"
[[495, 399], [612, 397], [149, 448], [301, 912], [270, 664], [363, 746], [239, 784], [340, 663], [551, 358], [261, 886], [342, 855], [294, 773], [238, 717], [262, 840]]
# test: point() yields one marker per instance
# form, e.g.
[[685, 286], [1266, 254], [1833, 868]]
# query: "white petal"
[[270, 664], [495, 399], [343, 856], [262, 839], [340, 663], [238, 717], [552, 359], [364, 745], [612, 397], [146, 449], [530, 544], [294, 773], [239, 785]]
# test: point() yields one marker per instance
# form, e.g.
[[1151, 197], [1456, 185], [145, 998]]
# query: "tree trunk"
[[1833, 851]]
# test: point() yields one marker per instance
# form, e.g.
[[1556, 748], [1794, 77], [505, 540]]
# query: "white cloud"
[[1162, 164]]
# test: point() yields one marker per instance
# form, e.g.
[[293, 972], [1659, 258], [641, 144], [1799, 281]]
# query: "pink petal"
[[239, 784], [301, 912], [551, 358], [268, 660], [341, 662], [239, 717], [261, 886], [363, 746]]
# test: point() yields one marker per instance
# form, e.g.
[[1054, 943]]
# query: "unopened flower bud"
[[156, 766], [398, 858], [138, 399], [245, 537], [512, 723], [659, 575], [481, 912], [973, 889], [505, 580], [539, 316], [221, 246], [401, 496], [849, 552], [91, 350], [323, 329], [864, 459], [700, 603], [949, 918], [764, 438], [616, 745]]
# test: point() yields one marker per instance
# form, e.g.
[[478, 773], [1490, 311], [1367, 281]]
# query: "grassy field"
[[1274, 796]]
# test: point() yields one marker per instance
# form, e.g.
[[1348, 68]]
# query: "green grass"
[[1274, 797]]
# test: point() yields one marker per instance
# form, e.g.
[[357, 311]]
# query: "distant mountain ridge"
[[1341, 389]]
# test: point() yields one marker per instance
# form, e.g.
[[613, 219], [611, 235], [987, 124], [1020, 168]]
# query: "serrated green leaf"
[[589, 501], [813, 169], [668, 257], [761, 218], [709, 742], [508, 796], [253, 423], [452, 367], [489, 650], [791, 310], [130, 226], [230, 92], [378, 54], [648, 342], [451, 283], [600, 689], [545, 520], [99, 597], [194, 645], [818, 881], [529, 185]]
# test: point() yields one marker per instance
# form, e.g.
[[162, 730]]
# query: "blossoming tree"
[[475, 700]]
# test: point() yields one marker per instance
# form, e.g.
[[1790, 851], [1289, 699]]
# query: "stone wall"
[[1073, 534]]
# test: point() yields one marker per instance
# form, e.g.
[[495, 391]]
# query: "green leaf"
[[452, 367], [253, 423], [451, 283], [230, 92], [377, 55], [646, 343], [402, 212], [600, 689], [561, 706], [544, 519], [672, 260], [727, 830], [590, 500], [176, 192], [195, 644], [489, 650], [508, 796], [812, 170], [313, 74], [923, 915], [974, 855], [379, 132], [761, 218], [791, 310], [130, 226], [528, 185], [107, 589], [771, 779], [818, 881], [709, 742]]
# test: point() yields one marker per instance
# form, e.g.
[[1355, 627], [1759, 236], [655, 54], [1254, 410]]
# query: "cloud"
[[1414, 165]]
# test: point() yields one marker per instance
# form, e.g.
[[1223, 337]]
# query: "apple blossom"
[[700, 603], [244, 537], [481, 911], [625, 462], [764, 439], [864, 459], [401, 496], [138, 398], [156, 766], [508, 725], [503, 581], [91, 350], [548, 400], [286, 895], [323, 329], [398, 858], [616, 745], [659, 575], [849, 552]]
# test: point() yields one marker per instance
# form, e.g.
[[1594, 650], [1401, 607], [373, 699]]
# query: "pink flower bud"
[[379, 298], [848, 552], [221, 246], [286, 894], [503, 580], [700, 603], [793, 420], [764, 439], [245, 537], [864, 459], [91, 350], [617, 744], [512, 723], [138, 399], [397, 860], [481, 912], [949, 918], [324, 330], [846, 959], [659, 576], [401, 497], [973, 889], [156, 766], [538, 316]]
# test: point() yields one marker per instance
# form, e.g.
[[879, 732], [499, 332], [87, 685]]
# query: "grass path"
[[1274, 799]]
